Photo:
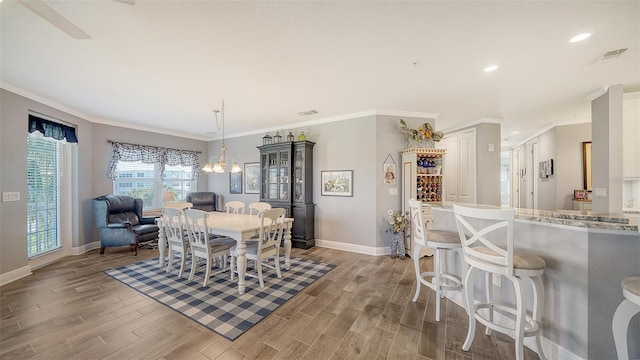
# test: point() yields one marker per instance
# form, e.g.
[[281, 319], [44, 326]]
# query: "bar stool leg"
[[521, 313], [621, 318], [538, 304], [416, 265], [468, 294], [437, 268], [488, 280]]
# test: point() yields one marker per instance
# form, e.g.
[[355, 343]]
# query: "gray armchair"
[[204, 200], [120, 222]]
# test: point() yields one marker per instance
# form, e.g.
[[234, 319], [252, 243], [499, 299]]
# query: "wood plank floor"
[[362, 309]]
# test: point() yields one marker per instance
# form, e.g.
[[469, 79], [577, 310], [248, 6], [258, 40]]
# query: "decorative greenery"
[[423, 132], [397, 221]]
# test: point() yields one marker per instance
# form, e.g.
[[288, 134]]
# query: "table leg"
[[287, 248], [242, 265], [162, 241]]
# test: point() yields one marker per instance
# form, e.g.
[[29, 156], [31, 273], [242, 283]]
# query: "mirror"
[[586, 164]]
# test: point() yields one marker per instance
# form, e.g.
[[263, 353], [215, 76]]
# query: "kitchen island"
[[586, 255]]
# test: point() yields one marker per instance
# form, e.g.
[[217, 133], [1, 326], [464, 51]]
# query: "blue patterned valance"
[[52, 129], [153, 155]]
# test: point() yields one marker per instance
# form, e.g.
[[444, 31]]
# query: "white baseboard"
[[551, 350], [15, 275], [84, 248], [361, 249]]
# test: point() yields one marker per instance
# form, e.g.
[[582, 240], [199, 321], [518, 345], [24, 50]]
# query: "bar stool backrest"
[[481, 230], [417, 223]]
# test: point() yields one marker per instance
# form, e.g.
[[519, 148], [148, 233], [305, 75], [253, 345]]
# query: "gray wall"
[[568, 169], [13, 148], [488, 164], [547, 191], [92, 154]]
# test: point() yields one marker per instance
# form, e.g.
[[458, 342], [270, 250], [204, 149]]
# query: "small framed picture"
[[252, 178], [235, 183], [580, 194], [337, 183]]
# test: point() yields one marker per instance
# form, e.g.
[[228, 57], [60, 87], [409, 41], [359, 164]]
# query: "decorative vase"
[[397, 244]]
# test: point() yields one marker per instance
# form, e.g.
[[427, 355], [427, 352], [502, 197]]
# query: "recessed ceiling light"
[[491, 68], [514, 132], [580, 37]]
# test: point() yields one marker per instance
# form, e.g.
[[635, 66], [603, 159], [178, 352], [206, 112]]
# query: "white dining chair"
[[440, 241], [266, 246], [173, 222], [482, 232], [258, 207], [205, 245], [235, 207]]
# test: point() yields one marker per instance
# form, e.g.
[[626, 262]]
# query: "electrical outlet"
[[497, 280], [10, 196], [600, 192]]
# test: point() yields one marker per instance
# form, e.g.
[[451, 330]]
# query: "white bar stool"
[[625, 311], [478, 230], [439, 240]]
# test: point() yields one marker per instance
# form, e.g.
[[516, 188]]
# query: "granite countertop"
[[587, 219]]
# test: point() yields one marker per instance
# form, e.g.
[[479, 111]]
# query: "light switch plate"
[[11, 196]]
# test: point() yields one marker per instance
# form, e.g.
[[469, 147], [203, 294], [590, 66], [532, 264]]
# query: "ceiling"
[[166, 64]]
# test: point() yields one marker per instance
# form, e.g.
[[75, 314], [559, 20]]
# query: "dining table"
[[239, 227]]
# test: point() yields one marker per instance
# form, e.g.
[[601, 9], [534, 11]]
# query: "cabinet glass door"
[[298, 175], [284, 175]]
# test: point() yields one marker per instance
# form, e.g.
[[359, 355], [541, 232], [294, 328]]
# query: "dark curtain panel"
[[52, 129]]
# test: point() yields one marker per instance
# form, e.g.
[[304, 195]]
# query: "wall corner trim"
[[84, 248]]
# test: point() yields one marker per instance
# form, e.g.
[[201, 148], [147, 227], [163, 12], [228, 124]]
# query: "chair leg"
[[276, 264], [135, 248], [521, 313], [194, 263], [416, 266], [259, 269], [538, 307], [468, 292], [207, 273], [232, 266], [437, 269], [488, 279], [621, 318], [102, 250], [170, 260], [183, 262]]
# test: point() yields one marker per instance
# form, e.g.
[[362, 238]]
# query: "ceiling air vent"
[[307, 112], [611, 55]]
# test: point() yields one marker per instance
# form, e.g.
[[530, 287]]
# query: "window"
[[43, 188], [144, 181]]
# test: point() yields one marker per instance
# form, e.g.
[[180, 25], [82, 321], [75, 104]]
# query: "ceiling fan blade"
[[57, 20], [129, 2]]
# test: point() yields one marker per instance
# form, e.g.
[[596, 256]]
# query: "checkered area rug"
[[219, 306]]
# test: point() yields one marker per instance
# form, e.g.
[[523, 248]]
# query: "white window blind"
[[43, 189]]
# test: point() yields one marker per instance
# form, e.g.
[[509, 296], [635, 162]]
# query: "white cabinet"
[[422, 179], [460, 167]]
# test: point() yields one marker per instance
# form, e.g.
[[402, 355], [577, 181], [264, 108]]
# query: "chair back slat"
[[271, 229], [235, 207], [258, 207], [173, 222], [479, 241], [418, 234], [198, 232]]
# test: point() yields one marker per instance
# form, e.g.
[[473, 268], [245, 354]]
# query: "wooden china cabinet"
[[286, 181]]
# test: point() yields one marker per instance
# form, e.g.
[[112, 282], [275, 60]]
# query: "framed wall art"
[[252, 178], [336, 183], [235, 183]]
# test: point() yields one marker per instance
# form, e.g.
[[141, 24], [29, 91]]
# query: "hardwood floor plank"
[[322, 349], [391, 316], [366, 322], [379, 345], [431, 344], [315, 327], [351, 347], [292, 350], [342, 323], [405, 343]]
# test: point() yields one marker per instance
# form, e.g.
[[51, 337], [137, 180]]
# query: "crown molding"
[[71, 111]]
